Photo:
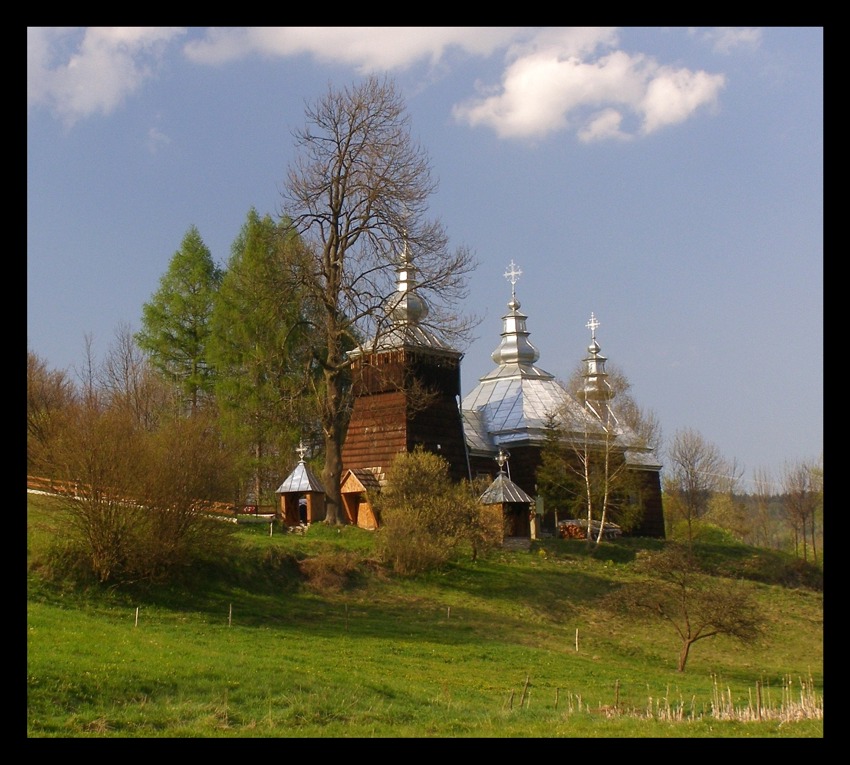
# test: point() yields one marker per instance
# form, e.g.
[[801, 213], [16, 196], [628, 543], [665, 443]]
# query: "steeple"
[[407, 307], [515, 347], [596, 391]]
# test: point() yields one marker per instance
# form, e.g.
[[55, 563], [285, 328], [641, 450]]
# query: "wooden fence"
[[72, 489]]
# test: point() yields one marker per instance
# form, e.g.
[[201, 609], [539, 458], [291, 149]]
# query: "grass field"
[[515, 645]]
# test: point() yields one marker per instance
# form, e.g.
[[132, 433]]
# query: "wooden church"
[[407, 394]]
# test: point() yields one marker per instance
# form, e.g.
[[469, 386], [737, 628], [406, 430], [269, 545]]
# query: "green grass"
[[485, 650]]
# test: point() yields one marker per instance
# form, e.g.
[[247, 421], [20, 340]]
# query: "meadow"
[[311, 637]]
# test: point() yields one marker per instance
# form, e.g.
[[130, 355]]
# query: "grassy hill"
[[311, 637]]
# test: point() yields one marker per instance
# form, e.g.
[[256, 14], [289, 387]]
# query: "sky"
[[667, 181]]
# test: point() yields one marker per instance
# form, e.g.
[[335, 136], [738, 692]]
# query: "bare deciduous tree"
[[129, 381], [695, 605], [695, 472], [762, 494], [49, 393], [357, 196], [802, 486]]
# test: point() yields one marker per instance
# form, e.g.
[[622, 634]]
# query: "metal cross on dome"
[[512, 275], [302, 450], [592, 325]]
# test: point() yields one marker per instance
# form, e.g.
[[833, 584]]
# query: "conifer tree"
[[258, 346], [176, 320]]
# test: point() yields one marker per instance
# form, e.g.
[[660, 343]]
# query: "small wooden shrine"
[[302, 495]]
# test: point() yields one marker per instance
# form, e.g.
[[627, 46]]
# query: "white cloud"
[[602, 125], [673, 95], [80, 72], [555, 78], [727, 39], [364, 48], [558, 82]]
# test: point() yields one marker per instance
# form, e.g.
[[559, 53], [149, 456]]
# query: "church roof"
[[404, 334], [511, 403], [406, 310], [363, 479], [511, 406], [502, 491], [301, 480]]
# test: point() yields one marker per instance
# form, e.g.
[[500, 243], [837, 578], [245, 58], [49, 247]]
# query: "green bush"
[[427, 519]]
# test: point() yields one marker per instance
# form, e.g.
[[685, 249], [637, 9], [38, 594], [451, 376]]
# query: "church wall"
[[653, 517], [387, 417], [377, 431]]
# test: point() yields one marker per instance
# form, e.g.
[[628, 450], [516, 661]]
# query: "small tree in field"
[[694, 605], [585, 457], [426, 518]]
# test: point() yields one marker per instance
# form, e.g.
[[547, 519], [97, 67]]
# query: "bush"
[[427, 519], [139, 512], [330, 572]]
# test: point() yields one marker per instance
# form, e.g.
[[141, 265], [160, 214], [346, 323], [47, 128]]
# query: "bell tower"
[[406, 388]]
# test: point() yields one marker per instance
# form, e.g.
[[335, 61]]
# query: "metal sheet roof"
[[512, 403], [300, 480], [504, 490]]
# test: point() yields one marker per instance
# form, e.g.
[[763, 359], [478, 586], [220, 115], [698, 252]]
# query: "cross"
[[301, 450], [512, 275], [592, 325]]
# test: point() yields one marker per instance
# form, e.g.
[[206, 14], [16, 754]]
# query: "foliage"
[[356, 195], [728, 512], [138, 510], [426, 518], [176, 320], [695, 605], [49, 393], [696, 472], [258, 345]]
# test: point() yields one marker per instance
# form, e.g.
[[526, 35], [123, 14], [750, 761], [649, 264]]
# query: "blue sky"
[[669, 180]]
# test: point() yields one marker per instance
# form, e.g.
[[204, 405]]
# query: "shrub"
[[330, 572], [427, 519]]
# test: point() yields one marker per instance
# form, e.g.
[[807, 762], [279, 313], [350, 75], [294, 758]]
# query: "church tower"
[[596, 393], [406, 389], [508, 409]]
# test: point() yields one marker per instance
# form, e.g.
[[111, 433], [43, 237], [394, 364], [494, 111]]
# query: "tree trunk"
[[331, 476], [814, 550], [683, 654], [334, 435]]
